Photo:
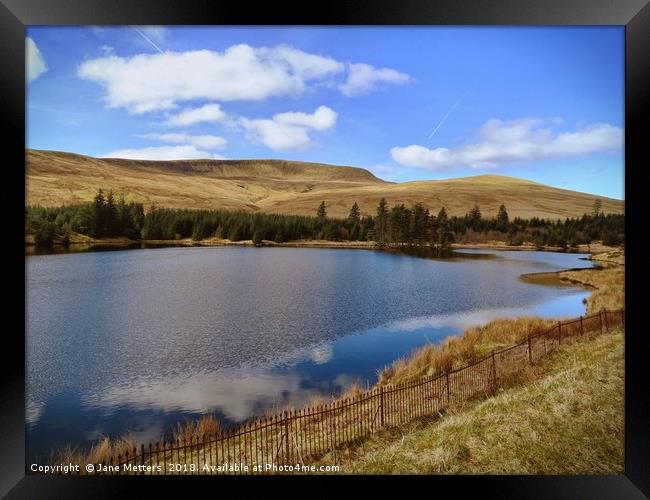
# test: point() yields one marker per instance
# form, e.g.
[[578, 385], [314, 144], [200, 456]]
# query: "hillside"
[[567, 419], [56, 178]]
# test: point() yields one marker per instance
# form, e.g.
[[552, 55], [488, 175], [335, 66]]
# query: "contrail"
[[148, 39], [444, 118]]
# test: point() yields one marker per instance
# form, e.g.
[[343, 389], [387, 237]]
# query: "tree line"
[[399, 225]]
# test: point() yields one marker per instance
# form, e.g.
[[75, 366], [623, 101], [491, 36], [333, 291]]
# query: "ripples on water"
[[137, 340]]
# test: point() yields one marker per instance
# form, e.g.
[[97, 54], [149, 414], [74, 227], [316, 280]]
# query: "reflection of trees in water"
[[438, 252]]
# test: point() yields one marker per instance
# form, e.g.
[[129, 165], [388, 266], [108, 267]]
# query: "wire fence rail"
[[301, 437]]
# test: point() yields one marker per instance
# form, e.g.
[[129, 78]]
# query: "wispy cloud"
[[106, 49], [183, 152], [35, 66], [363, 78], [191, 116], [147, 39], [444, 118], [506, 142], [200, 141]]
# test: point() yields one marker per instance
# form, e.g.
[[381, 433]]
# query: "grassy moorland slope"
[[289, 187], [568, 420]]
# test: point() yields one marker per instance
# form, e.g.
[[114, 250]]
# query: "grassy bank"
[[568, 419], [608, 292], [455, 351], [607, 282]]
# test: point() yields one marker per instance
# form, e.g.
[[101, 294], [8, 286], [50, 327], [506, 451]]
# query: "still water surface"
[[137, 340]]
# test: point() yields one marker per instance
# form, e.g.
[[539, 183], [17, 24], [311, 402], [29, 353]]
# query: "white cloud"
[[277, 136], [148, 82], [322, 119], [362, 78], [200, 141], [184, 152], [288, 130], [305, 65], [35, 62], [191, 116], [502, 142]]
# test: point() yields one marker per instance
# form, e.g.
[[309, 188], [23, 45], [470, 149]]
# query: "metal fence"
[[309, 434]]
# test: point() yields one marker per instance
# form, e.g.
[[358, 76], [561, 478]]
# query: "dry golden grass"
[[56, 178], [607, 283], [106, 449], [455, 351], [570, 420], [201, 428], [101, 452], [610, 256]]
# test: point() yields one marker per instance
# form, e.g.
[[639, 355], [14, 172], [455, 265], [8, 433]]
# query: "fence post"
[[286, 435], [606, 322], [494, 371], [623, 317], [447, 377], [381, 405], [530, 351], [559, 332], [582, 330], [334, 452], [600, 318]]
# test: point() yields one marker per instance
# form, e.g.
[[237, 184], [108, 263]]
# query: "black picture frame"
[[15, 15]]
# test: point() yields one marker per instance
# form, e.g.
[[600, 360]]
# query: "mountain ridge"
[[283, 186]]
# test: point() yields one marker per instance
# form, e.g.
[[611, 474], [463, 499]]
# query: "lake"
[[137, 340]]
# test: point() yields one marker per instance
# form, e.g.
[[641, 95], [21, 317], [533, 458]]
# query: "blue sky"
[[546, 104]]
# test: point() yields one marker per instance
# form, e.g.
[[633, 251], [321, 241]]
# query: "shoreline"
[[555, 278], [84, 243]]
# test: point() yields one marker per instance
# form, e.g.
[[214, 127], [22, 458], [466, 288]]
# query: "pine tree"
[[502, 219], [444, 233], [406, 225], [111, 216], [279, 235], [257, 238], [98, 222], [321, 213], [419, 224], [381, 224], [474, 217], [355, 214], [598, 204]]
